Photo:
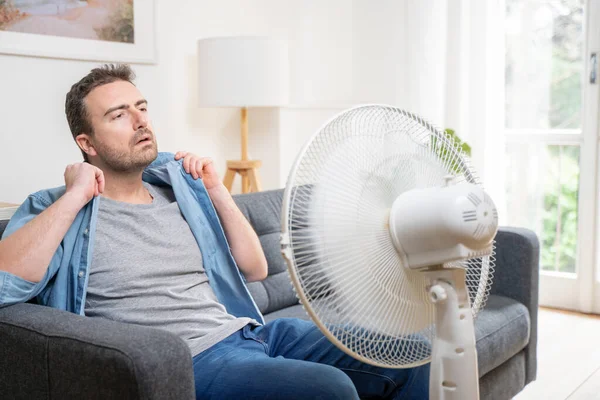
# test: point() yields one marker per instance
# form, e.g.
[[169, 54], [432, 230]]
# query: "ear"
[[84, 142]]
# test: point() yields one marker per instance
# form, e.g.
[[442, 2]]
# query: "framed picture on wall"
[[96, 30]]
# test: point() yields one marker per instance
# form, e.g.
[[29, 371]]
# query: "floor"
[[568, 357]]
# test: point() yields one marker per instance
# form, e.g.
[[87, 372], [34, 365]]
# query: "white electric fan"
[[388, 236]]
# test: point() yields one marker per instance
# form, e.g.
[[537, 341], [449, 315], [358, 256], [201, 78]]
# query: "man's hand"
[[200, 167], [27, 252], [84, 180]]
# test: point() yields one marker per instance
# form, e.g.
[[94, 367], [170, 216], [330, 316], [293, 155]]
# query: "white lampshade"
[[243, 71]]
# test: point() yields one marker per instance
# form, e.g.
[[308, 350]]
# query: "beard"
[[135, 158]]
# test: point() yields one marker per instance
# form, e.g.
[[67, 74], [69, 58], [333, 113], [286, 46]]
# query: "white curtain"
[[455, 78]]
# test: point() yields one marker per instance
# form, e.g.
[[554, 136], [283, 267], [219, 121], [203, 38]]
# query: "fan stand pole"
[[454, 374], [248, 169]]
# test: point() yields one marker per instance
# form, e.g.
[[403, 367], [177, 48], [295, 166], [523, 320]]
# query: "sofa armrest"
[[517, 276], [49, 353]]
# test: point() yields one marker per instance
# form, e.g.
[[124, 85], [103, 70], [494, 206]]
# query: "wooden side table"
[[248, 169]]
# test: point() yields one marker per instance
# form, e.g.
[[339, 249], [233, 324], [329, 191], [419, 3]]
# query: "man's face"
[[123, 138]]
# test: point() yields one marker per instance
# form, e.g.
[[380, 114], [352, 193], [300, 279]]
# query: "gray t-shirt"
[[147, 270]]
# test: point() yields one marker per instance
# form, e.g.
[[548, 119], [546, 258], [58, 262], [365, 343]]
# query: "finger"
[[99, 176], [186, 164], [96, 182], [180, 154], [194, 168], [205, 161], [100, 181], [199, 167]]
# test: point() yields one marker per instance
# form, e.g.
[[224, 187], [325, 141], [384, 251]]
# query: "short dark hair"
[[77, 115]]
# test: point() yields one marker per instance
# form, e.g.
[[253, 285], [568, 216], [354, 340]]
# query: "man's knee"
[[334, 384]]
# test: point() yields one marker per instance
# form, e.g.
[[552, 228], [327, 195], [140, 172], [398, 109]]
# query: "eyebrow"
[[124, 106]]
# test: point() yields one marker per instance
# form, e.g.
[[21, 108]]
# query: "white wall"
[[342, 52], [35, 142]]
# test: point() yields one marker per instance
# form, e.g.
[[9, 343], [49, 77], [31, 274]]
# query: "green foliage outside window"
[[559, 217]]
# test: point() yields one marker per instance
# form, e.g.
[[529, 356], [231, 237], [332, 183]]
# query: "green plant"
[[463, 145], [443, 151]]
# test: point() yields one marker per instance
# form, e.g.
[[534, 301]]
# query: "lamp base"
[[248, 170]]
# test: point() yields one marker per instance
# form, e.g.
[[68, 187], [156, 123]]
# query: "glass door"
[[551, 130]]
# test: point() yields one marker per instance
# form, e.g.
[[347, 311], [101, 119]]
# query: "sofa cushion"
[[502, 330]]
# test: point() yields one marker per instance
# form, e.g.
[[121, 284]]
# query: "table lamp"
[[243, 71]]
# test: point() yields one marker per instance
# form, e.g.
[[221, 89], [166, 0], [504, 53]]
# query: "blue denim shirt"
[[64, 285]]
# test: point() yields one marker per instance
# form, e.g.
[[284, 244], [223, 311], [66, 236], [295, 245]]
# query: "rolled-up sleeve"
[[13, 288]]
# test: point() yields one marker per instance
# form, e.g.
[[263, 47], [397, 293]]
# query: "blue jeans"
[[289, 358]]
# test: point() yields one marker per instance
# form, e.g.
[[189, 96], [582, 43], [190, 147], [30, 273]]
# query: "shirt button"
[[86, 231], [80, 274]]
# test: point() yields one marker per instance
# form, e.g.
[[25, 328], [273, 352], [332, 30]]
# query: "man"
[[156, 239]]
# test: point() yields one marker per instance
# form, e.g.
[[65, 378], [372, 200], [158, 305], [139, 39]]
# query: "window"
[[543, 91]]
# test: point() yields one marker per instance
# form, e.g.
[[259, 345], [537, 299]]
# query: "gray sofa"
[[47, 353]]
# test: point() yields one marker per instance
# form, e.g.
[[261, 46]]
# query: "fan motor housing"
[[438, 225]]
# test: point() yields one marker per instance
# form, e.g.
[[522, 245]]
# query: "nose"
[[140, 120]]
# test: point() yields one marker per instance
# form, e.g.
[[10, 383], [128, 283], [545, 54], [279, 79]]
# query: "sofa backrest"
[[263, 210], [3, 223]]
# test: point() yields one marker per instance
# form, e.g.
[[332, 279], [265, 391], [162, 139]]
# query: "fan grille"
[[343, 264]]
